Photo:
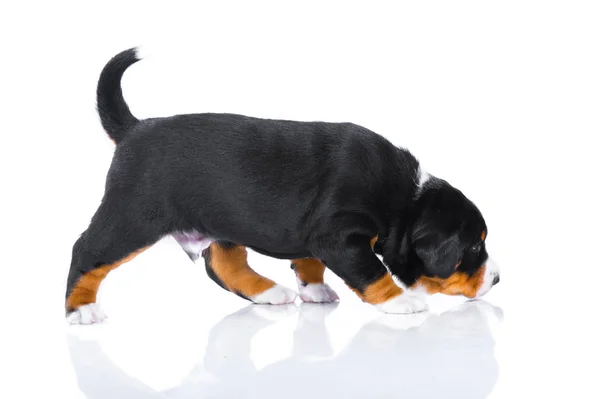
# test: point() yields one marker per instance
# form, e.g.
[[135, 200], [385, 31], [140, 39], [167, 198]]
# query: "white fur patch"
[[143, 52], [419, 291], [276, 295], [87, 314], [195, 248], [423, 177], [193, 243], [403, 304], [491, 271], [319, 293], [416, 290]]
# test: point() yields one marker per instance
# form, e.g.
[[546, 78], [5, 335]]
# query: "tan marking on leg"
[[85, 290], [458, 283], [373, 241], [309, 270], [231, 267], [380, 291]]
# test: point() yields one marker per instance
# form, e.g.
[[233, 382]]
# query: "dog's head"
[[446, 243]]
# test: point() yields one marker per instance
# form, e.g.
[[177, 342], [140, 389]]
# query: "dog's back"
[[271, 182]]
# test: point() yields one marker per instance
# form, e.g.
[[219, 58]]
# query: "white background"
[[499, 98]]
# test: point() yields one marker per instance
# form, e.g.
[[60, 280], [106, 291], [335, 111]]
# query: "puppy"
[[323, 195]]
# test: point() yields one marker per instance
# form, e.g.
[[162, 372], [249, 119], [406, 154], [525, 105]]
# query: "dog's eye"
[[476, 247]]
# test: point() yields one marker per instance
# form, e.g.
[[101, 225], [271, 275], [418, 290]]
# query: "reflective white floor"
[[432, 356], [173, 333]]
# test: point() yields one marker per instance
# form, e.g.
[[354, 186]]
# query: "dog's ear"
[[440, 255]]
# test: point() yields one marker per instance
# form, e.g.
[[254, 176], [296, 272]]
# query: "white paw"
[[403, 304], [87, 314], [276, 295], [319, 293]]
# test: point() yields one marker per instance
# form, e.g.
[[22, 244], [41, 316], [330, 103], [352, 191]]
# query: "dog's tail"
[[114, 113]]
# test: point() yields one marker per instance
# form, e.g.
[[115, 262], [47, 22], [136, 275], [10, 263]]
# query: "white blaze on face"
[[492, 271]]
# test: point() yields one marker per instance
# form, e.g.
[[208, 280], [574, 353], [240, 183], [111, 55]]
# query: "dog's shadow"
[[432, 356]]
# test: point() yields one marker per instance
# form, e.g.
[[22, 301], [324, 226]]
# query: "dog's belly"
[[282, 255], [194, 242]]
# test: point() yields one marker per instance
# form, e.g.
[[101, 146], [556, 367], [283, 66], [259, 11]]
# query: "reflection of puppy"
[[320, 194], [445, 356], [99, 378], [448, 356]]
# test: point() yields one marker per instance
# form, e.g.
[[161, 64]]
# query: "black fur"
[[286, 189], [112, 108], [209, 270], [445, 228]]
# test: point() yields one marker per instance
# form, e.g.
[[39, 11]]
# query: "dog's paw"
[[403, 304], [317, 293], [276, 295], [87, 314]]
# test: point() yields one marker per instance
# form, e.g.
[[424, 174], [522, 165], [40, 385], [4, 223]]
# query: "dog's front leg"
[[356, 263]]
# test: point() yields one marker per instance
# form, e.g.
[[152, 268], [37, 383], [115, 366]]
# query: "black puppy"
[[331, 195]]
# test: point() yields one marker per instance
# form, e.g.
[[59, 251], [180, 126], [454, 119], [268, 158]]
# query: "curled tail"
[[114, 113]]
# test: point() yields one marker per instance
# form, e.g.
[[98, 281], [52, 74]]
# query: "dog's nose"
[[496, 279]]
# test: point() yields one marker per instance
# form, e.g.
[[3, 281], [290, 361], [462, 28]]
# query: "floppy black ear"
[[439, 254]]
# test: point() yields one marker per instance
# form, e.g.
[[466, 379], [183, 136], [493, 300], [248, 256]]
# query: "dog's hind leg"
[[227, 265], [115, 236]]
